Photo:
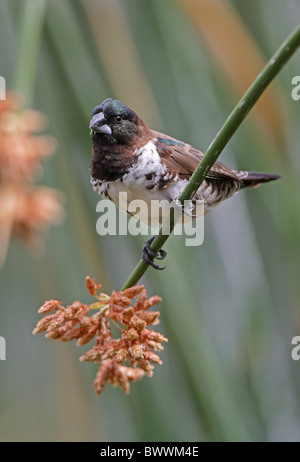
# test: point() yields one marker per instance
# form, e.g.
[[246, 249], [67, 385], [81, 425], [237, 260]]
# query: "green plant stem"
[[32, 19], [272, 68]]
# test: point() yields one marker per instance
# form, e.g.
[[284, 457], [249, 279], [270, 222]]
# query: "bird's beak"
[[98, 124]]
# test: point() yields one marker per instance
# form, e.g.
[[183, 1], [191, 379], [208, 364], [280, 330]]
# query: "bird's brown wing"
[[182, 159]]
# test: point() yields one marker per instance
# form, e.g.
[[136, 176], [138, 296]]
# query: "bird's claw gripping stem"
[[149, 255]]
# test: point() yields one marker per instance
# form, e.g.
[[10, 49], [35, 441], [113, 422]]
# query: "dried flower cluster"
[[136, 345], [25, 209]]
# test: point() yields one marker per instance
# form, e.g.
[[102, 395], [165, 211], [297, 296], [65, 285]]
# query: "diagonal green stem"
[[272, 68]]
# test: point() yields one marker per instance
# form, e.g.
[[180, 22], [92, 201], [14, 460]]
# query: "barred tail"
[[252, 179]]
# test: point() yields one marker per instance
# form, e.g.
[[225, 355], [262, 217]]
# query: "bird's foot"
[[149, 255]]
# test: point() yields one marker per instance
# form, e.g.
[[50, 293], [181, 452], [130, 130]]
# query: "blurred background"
[[230, 307]]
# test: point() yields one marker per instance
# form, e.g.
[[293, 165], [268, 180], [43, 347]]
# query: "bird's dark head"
[[113, 122]]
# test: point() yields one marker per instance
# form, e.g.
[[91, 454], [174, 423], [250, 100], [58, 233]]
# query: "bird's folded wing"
[[182, 159]]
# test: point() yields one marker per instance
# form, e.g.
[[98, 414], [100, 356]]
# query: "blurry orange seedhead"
[[25, 209], [21, 150], [133, 347]]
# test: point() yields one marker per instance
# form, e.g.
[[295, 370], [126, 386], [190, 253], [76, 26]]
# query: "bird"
[[128, 156]]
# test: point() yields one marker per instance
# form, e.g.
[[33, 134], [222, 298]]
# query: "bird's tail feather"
[[255, 178]]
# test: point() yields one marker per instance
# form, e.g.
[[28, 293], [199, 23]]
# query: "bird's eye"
[[119, 119]]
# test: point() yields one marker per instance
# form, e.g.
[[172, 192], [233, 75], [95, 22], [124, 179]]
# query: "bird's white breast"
[[138, 187]]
